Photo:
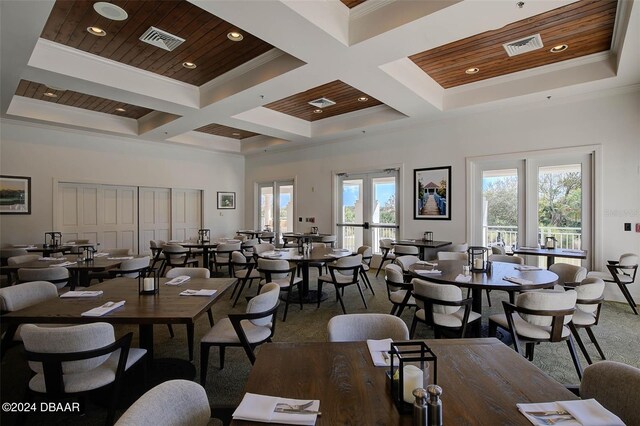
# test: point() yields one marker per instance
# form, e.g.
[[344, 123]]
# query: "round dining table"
[[316, 255]]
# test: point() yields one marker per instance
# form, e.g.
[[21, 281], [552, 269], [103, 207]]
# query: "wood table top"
[[558, 252], [164, 308], [97, 264], [421, 243], [482, 380]]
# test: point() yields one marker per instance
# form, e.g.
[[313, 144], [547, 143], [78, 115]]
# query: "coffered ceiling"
[[407, 58]]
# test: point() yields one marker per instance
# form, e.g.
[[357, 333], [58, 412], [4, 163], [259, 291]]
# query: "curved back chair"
[[18, 260], [621, 272], [189, 272], [58, 276], [156, 252], [590, 298], [266, 237], [117, 251], [506, 259], [385, 248], [176, 256], [361, 327], [132, 268], [398, 291], [498, 250], [262, 247], [367, 254], [244, 271], [222, 256], [460, 248], [344, 272], [329, 240], [8, 252], [401, 250], [405, 261], [568, 274], [452, 255], [280, 272]]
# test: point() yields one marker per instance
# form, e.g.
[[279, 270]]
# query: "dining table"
[[551, 253], [303, 237], [250, 233], [304, 259], [47, 250], [167, 306], [428, 249], [205, 246], [482, 380]]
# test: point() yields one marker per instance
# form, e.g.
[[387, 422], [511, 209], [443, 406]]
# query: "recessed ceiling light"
[[363, 99], [189, 65], [121, 110], [50, 95], [317, 111], [474, 70], [97, 31], [235, 134], [56, 89], [235, 36], [110, 11], [559, 48]]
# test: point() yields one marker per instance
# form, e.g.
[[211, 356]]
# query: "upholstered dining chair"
[[18, 260], [19, 297], [460, 248], [387, 255], [248, 245], [262, 247], [590, 298], [58, 276], [405, 261], [614, 385], [117, 251], [361, 327], [132, 268], [568, 274], [344, 272], [452, 255], [367, 255], [280, 272], [442, 307], [398, 291], [498, 250], [158, 256], [244, 271], [247, 330], [222, 256], [7, 252], [539, 316], [267, 237], [174, 402], [176, 256], [505, 258], [72, 360], [622, 272], [329, 240], [401, 250]]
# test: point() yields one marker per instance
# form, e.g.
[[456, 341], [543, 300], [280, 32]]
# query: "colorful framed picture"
[[226, 200], [432, 193], [15, 194]]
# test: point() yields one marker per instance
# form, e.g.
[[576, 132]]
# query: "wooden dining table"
[[482, 380], [206, 248], [551, 254], [428, 249]]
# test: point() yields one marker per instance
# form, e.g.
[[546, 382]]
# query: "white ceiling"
[[317, 42]]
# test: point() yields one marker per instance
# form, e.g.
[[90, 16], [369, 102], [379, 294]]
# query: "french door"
[[368, 208], [276, 206]]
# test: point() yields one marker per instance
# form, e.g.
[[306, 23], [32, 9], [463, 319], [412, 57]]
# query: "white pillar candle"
[[413, 379], [477, 263], [147, 284]]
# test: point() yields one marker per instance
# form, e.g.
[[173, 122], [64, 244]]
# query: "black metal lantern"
[[148, 283], [478, 258], [416, 367], [204, 235], [428, 237], [89, 253], [52, 239]]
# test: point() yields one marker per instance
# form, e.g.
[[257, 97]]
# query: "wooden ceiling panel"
[[352, 3], [345, 97], [228, 132], [585, 26], [206, 42], [32, 90]]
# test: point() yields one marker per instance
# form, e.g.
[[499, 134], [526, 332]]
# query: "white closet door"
[[186, 216], [104, 214], [155, 216]]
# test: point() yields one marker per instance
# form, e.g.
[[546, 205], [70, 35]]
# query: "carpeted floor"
[[618, 334]]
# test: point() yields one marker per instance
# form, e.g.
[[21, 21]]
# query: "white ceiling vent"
[[162, 39], [322, 103], [523, 45]]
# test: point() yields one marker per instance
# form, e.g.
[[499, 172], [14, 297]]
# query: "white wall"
[[610, 120], [47, 153]]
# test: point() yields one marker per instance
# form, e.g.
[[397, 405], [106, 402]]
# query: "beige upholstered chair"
[[18, 260], [132, 268], [622, 272], [539, 316], [506, 259], [58, 276], [117, 251], [283, 274], [189, 272], [329, 240], [263, 247], [400, 250], [498, 250], [267, 237], [175, 402], [460, 248], [248, 245], [405, 261], [245, 330], [8, 252], [568, 274], [385, 248], [452, 255], [367, 254], [71, 360], [442, 307], [156, 252], [590, 298], [344, 272], [244, 271], [398, 291], [176, 256], [361, 327], [222, 256], [615, 386]]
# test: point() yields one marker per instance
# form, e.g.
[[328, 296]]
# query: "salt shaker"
[[420, 412], [434, 405]]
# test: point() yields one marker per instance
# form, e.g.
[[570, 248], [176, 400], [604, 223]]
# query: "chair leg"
[[393, 310], [493, 329], [190, 333], [574, 356], [362, 296], [222, 347], [414, 323], [489, 298], [530, 347], [210, 315], [627, 295], [171, 334], [286, 305], [575, 333], [239, 292], [319, 293], [384, 259], [595, 342], [344, 311], [204, 363]]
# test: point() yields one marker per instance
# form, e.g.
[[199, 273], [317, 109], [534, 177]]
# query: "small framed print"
[[15, 194], [226, 200], [432, 193]]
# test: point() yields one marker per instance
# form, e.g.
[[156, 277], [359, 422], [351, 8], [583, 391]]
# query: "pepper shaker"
[[434, 405], [420, 411]]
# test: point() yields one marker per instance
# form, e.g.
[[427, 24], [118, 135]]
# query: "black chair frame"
[[354, 280], [614, 270], [292, 282], [428, 315]]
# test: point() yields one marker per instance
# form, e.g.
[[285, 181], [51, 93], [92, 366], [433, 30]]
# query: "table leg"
[[205, 258], [476, 306], [550, 260], [190, 340], [146, 339]]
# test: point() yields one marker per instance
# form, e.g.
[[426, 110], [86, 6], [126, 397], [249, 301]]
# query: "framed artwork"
[[432, 193], [226, 200], [15, 194]]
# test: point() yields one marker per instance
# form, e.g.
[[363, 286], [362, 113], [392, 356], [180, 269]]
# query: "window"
[[276, 200]]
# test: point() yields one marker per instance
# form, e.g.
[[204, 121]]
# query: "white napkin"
[[573, 250], [585, 412], [517, 280], [100, 254], [102, 310], [48, 258], [463, 278], [407, 241], [74, 293], [62, 264], [178, 280], [203, 292], [428, 271], [120, 258], [260, 408], [377, 348], [527, 268], [339, 250], [426, 262]]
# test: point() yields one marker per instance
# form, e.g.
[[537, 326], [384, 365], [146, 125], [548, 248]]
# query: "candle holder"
[[427, 237], [89, 253], [52, 239], [204, 235], [149, 284], [478, 258], [414, 360]]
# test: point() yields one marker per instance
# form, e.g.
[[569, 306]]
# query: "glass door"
[[500, 208], [276, 200], [368, 208]]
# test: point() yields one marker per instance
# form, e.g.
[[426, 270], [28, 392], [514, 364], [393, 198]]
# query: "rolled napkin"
[[573, 250], [527, 268], [203, 292], [583, 412], [341, 250], [428, 272], [261, 408], [101, 255], [178, 280], [517, 280], [120, 258], [378, 350], [102, 310], [48, 258], [425, 262], [74, 293], [62, 264], [273, 255], [463, 278]]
